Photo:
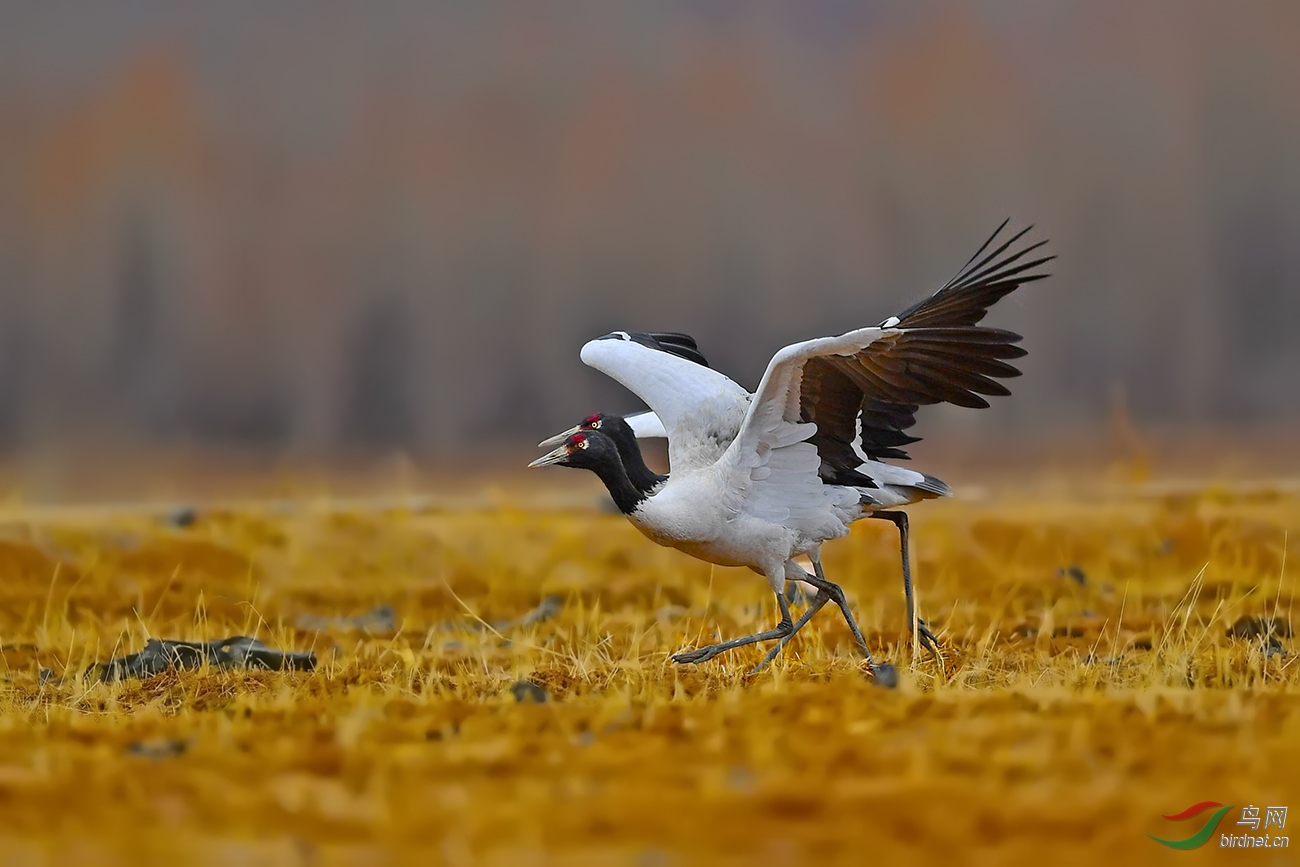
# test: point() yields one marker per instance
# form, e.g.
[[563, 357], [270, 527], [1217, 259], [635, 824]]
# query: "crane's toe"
[[702, 654], [928, 639]]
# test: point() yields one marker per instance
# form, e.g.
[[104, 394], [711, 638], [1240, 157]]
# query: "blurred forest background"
[[326, 226]]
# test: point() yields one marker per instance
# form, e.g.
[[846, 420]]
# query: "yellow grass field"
[[1072, 709]]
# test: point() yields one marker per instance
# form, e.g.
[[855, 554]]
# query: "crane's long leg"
[[781, 630], [836, 594], [818, 601], [886, 675], [914, 623]]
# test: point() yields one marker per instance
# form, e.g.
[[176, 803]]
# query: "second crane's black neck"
[[642, 477], [621, 489]]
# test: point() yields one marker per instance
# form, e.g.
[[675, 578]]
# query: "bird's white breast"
[[691, 514]]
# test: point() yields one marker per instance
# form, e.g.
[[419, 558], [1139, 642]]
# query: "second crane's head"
[[606, 422], [587, 450]]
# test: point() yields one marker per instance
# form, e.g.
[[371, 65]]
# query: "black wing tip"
[[676, 337], [671, 342], [988, 276]]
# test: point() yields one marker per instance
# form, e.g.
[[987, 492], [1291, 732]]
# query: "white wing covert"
[[645, 425], [771, 469], [699, 409]]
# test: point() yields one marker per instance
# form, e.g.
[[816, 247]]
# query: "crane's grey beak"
[[558, 438], [554, 457]]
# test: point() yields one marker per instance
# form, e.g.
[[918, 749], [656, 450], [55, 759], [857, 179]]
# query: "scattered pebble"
[[886, 675], [382, 619], [1112, 661], [159, 655], [654, 858], [545, 610], [182, 517], [1074, 573], [1258, 627], [740, 779], [1269, 631], [526, 690], [159, 748]]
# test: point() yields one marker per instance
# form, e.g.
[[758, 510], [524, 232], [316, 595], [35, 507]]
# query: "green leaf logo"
[[1201, 837]]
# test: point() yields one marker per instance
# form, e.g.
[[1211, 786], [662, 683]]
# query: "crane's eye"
[[595, 424], [578, 441]]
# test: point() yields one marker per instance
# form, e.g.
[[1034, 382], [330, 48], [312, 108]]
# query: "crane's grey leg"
[[818, 601], [884, 672], [797, 592], [923, 633], [781, 630]]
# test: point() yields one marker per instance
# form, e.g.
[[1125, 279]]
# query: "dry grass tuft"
[[1089, 685]]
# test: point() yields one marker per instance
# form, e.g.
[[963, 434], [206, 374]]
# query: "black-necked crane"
[[757, 480]]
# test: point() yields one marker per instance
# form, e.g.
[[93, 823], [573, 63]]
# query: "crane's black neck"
[[642, 477], [620, 432], [621, 490]]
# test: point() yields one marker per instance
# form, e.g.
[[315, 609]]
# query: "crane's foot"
[[927, 639], [702, 654]]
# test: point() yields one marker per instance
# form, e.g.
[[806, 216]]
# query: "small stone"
[[160, 748], [240, 651], [1258, 627], [182, 517], [526, 690], [740, 779], [1074, 573], [1024, 630], [885, 675]]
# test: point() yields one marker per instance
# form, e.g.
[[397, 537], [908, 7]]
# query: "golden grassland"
[[1069, 712]]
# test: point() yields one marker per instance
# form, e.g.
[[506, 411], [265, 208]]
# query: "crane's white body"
[[744, 488]]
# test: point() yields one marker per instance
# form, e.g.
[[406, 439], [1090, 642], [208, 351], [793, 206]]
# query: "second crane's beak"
[[558, 456], [558, 438]]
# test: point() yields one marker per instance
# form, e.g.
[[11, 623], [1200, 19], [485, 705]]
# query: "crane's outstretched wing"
[[819, 395], [950, 367], [699, 409]]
